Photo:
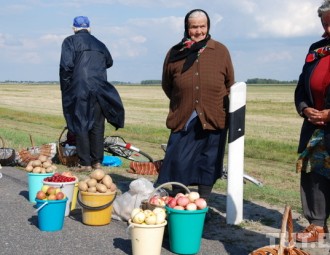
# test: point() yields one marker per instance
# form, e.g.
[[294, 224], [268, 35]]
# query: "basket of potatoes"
[[96, 194]]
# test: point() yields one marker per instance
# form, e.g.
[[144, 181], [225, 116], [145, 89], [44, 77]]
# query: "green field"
[[271, 131]]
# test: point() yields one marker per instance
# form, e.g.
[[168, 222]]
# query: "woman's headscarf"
[[186, 49]]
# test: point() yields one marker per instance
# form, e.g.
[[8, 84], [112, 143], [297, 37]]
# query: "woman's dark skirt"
[[194, 156]]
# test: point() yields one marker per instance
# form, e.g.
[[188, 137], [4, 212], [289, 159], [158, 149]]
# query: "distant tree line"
[[269, 81], [155, 82], [151, 82]]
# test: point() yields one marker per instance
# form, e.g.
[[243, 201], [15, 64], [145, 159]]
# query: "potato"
[[42, 158], [82, 186], [107, 181], [92, 189], [101, 188], [91, 183], [42, 170], [49, 169], [37, 170], [36, 163], [97, 174], [46, 164], [29, 168]]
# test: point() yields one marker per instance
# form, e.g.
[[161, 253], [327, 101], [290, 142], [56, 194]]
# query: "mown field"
[[271, 131]]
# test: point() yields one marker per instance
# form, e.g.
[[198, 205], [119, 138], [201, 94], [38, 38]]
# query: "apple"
[[52, 197], [41, 195], [191, 206], [172, 202], [57, 190], [179, 195], [150, 219], [154, 200], [183, 201], [178, 207], [60, 195], [44, 188], [51, 191]]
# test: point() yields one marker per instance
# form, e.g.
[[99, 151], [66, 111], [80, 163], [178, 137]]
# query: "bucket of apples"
[[185, 216], [50, 204]]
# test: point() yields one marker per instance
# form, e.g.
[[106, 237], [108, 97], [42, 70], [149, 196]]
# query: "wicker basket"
[[67, 158], [24, 156], [282, 249], [7, 155], [145, 203]]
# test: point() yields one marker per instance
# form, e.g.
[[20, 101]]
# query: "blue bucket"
[[51, 214], [35, 184], [185, 229]]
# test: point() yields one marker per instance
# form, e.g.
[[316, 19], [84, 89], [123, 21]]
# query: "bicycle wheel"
[[117, 146]]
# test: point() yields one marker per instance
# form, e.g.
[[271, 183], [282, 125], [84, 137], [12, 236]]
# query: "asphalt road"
[[19, 232]]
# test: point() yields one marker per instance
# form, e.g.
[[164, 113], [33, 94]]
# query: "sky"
[[267, 39]]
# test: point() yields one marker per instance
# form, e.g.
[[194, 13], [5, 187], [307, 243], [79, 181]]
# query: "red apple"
[[183, 201], [179, 195], [59, 195], [172, 202], [41, 195], [154, 200]]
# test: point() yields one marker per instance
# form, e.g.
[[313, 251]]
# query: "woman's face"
[[325, 19], [197, 28]]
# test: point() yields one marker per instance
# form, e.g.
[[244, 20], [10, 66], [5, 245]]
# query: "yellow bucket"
[[74, 197], [96, 207]]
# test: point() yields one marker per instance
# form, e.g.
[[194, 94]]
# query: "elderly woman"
[[312, 100], [197, 76]]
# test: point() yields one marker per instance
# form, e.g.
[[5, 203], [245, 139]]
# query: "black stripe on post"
[[236, 124]]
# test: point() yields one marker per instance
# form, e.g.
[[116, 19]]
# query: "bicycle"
[[117, 146]]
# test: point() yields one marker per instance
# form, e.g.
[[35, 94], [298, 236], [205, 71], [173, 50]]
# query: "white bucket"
[[146, 239], [67, 188]]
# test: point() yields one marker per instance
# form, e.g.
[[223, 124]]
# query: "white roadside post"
[[234, 208]]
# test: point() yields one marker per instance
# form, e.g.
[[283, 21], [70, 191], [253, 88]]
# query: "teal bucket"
[[35, 184], [185, 229], [51, 214]]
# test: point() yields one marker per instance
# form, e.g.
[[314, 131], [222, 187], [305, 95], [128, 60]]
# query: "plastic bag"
[[123, 205]]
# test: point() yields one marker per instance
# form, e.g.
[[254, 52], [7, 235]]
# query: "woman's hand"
[[317, 117]]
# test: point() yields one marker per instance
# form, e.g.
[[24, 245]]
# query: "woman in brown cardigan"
[[197, 76]]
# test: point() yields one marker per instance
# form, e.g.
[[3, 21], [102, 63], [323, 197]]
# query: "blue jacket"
[[303, 98], [83, 79]]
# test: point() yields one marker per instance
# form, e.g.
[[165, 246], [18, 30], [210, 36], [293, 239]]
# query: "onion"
[[178, 207]]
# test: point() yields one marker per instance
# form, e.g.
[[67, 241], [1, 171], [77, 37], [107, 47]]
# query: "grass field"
[[271, 130]]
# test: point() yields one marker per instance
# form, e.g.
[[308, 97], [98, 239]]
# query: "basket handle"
[[287, 225], [31, 140], [2, 141], [59, 139], [168, 183], [95, 208]]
